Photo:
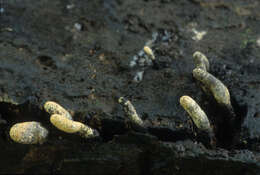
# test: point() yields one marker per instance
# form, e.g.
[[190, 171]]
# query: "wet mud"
[[85, 55]]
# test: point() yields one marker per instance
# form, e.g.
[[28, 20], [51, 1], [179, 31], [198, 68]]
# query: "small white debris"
[[139, 76], [70, 6], [141, 61], [2, 10], [252, 60], [258, 42], [141, 53], [149, 43], [132, 63], [198, 34], [148, 61], [78, 26], [155, 36], [135, 58]]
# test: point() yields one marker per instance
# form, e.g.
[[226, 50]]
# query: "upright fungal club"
[[216, 87], [198, 116], [201, 61], [149, 52], [130, 111], [54, 108]]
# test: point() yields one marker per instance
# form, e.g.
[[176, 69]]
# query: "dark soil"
[[78, 53]]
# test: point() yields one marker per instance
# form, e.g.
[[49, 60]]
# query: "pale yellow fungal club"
[[54, 108], [216, 87], [198, 116], [201, 61], [28, 133], [149, 52], [130, 111], [69, 126]]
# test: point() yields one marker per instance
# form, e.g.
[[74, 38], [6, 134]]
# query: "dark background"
[[78, 52]]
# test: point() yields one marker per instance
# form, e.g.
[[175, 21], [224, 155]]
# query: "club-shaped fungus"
[[149, 52], [69, 126], [54, 108], [198, 116], [130, 111], [201, 61], [28, 133], [216, 87]]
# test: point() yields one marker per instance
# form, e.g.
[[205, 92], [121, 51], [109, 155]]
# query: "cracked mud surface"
[[78, 53]]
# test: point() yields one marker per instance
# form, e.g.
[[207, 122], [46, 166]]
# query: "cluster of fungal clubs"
[[34, 133], [211, 86]]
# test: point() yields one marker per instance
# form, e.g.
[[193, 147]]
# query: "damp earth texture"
[[85, 55]]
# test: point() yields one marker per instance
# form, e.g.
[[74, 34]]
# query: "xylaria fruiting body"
[[149, 52], [54, 108], [28, 133], [130, 111], [201, 61], [69, 126], [196, 113], [216, 87]]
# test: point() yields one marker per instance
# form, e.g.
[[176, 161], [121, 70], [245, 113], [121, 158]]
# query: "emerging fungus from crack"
[[28, 133], [149, 52], [216, 87], [130, 111], [54, 108], [69, 126], [145, 58], [62, 120], [201, 61], [198, 116]]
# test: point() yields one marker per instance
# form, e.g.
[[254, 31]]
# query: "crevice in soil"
[[226, 132], [227, 124], [166, 134]]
